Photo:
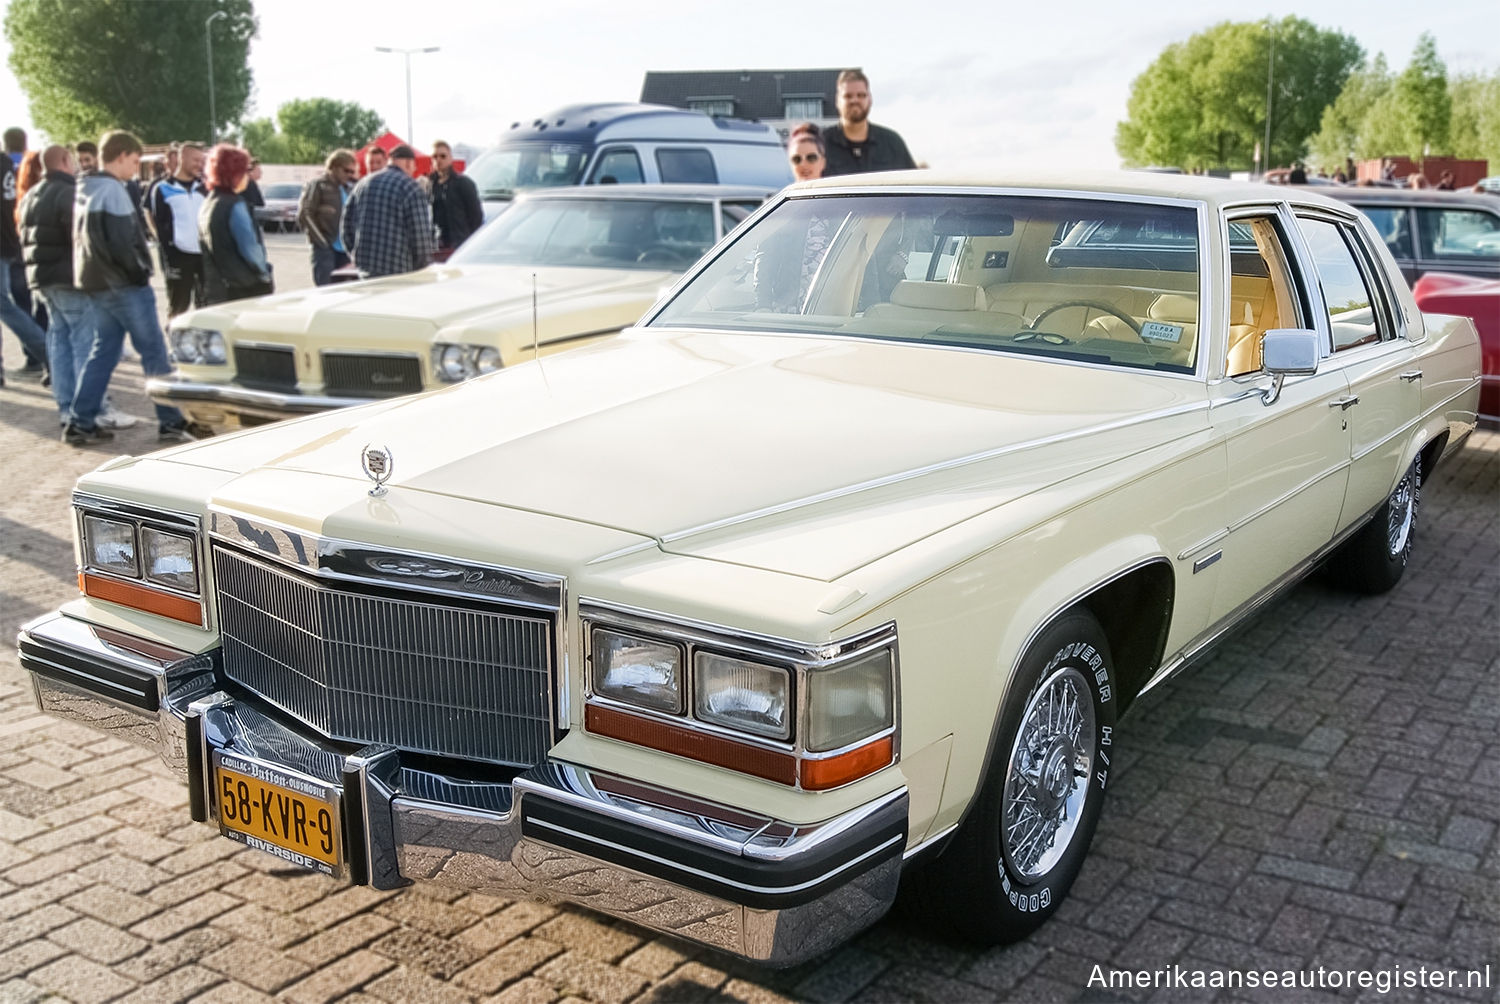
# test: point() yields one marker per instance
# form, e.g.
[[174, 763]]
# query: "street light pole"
[[408, 53], [208, 40], [1270, 68]]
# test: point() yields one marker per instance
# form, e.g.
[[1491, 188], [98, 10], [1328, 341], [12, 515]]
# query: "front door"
[[1287, 462]]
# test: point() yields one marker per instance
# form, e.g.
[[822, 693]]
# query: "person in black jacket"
[[234, 259], [854, 144], [112, 265], [456, 209], [46, 218], [33, 338]]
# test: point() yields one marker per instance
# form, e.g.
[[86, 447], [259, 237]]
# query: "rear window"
[[689, 166]]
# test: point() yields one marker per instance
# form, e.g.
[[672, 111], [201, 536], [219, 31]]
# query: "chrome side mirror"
[[1288, 352]]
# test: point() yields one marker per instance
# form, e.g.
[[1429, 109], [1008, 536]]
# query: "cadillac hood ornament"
[[378, 464]]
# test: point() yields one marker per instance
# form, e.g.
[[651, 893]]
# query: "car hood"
[[433, 297], [800, 454]]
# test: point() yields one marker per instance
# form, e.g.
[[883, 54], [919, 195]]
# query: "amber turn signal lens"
[[817, 775], [690, 743], [150, 600]]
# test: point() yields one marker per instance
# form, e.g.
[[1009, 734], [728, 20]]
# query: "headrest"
[[938, 295], [1179, 308]]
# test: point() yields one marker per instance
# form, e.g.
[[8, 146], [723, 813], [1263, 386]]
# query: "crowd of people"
[[75, 228]]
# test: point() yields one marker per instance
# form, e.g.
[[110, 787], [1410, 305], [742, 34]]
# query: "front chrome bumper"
[[765, 890], [225, 405]]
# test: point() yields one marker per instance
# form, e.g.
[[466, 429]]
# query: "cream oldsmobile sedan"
[[561, 269], [845, 563]]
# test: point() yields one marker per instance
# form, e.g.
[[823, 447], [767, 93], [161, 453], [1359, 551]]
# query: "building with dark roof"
[[779, 98]]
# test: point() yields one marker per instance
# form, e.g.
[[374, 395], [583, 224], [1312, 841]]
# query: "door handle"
[[1410, 375], [1344, 402]]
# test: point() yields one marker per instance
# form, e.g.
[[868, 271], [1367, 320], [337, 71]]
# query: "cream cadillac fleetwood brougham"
[[559, 270], [845, 563]]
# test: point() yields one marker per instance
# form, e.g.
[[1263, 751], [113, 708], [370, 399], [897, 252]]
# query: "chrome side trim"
[[1245, 521], [1213, 539], [1199, 646], [350, 561], [1399, 431], [940, 835]]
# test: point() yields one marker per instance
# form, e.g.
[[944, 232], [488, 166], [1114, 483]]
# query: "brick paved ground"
[[1324, 792]]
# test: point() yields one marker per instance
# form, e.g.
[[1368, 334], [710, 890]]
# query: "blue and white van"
[[602, 144]]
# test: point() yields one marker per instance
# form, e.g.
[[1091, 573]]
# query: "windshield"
[[503, 171], [1087, 280], [597, 233]]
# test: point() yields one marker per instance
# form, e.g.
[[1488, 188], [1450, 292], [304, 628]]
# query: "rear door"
[[1370, 348]]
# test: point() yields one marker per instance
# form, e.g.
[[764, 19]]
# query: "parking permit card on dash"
[[1157, 331]]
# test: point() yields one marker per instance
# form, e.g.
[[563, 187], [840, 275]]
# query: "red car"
[[1479, 299]]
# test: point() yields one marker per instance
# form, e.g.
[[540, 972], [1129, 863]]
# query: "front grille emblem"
[[378, 464]]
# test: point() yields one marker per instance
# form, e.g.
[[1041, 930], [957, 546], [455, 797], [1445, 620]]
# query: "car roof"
[[668, 193], [1417, 197], [1198, 188]]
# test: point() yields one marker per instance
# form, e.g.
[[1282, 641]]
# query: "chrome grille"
[[370, 376], [267, 369], [372, 665]]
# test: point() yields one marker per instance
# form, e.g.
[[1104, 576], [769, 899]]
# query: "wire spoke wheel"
[[1401, 513], [1048, 774]]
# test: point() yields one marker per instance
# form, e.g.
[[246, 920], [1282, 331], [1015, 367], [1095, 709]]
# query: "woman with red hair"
[[234, 258]]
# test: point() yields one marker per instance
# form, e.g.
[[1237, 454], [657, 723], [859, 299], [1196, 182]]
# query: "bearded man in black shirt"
[[856, 144]]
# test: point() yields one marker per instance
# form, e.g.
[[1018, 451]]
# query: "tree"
[[1202, 103], [311, 128], [1346, 127], [315, 126], [91, 65], [1474, 129], [1422, 97]]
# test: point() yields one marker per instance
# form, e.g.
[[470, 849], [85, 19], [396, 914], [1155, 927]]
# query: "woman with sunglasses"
[[804, 148]]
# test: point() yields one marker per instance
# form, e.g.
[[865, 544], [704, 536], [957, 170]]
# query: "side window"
[[1352, 310], [1262, 293], [1459, 233], [1394, 225], [619, 166], [732, 214], [692, 166]]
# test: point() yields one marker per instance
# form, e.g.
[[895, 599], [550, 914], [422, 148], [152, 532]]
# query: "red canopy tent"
[[388, 141]]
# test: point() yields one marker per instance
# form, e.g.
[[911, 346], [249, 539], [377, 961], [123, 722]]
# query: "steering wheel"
[[660, 256], [1113, 311]]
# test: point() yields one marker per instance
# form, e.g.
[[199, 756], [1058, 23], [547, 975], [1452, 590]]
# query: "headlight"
[[850, 703], [198, 345], [109, 545], [637, 670], [169, 559], [487, 359], [450, 362], [742, 695]]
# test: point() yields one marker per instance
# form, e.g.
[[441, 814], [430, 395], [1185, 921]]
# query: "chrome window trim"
[[1367, 264], [1199, 206], [801, 659]]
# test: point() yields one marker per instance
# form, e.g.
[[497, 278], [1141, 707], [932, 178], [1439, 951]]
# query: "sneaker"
[[112, 418], [187, 432], [77, 435]]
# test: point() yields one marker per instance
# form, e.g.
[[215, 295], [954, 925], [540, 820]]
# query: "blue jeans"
[[324, 261], [33, 338], [70, 339], [117, 312]]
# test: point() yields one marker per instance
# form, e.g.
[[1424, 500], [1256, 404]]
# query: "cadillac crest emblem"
[[378, 464]]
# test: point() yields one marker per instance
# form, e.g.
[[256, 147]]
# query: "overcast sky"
[[965, 82]]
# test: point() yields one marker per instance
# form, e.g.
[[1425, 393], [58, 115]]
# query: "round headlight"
[[488, 359], [214, 349], [450, 363], [186, 346]]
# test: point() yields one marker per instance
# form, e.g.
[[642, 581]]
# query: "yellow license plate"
[[292, 817]]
